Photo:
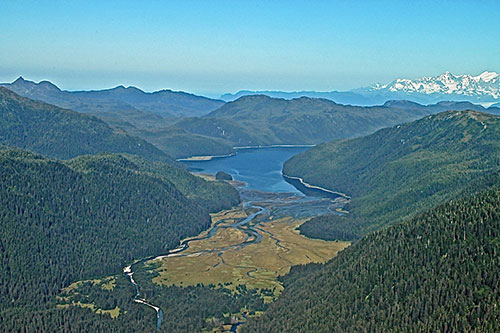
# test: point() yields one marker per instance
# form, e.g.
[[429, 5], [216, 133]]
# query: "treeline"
[[437, 272]]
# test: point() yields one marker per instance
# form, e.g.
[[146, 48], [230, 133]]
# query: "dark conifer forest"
[[400, 171], [86, 218], [436, 272]]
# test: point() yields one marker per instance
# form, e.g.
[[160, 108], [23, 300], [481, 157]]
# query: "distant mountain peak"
[[398, 102], [48, 85], [256, 97], [19, 80]]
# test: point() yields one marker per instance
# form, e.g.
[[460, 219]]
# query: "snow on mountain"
[[486, 84]]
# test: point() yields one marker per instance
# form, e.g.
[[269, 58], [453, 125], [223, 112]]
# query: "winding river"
[[252, 236], [267, 192]]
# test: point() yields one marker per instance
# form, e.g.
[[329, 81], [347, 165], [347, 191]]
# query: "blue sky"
[[210, 47]]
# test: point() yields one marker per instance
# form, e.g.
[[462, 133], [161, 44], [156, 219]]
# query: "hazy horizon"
[[215, 95]]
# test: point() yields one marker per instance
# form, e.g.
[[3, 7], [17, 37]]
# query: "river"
[[253, 236], [266, 190]]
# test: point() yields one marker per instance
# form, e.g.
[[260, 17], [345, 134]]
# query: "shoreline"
[[203, 157], [315, 187], [272, 146], [199, 158]]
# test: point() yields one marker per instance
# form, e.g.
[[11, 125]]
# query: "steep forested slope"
[[60, 133], [402, 170], [180, 143], [213, 196], [87, 218], [438, 272]]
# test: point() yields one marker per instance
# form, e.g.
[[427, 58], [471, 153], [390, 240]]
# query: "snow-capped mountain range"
[[483, 89], [485, 84]]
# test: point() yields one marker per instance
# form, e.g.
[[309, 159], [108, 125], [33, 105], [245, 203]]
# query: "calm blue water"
[[260, 168]]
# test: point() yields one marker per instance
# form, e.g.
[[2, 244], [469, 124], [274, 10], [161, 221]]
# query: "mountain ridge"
[[483, 88], [448, 83], [398, 171], [260, 120], [166, 103], [60, 133]]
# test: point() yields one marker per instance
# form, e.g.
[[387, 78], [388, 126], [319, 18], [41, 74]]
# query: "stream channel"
[[265, 192]]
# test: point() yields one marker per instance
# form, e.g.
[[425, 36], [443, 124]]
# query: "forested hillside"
[[128, 110], [213, 196], [60, 133], [399, 171], [438, 272], [248, 121], [262, 120], [88, 217], [180, 143], [265, 120]]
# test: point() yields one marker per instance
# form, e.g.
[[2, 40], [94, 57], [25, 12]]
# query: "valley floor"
[[248, 247], [222, 258]]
